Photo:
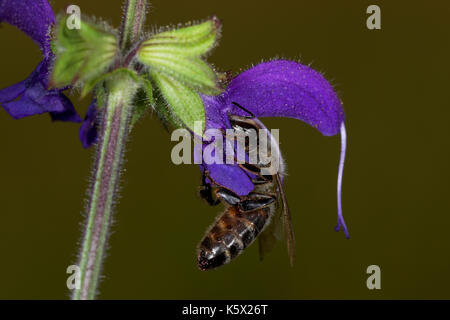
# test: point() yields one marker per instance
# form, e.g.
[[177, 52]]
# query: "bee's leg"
[[250, 114], [256, 201], [260, 180], [228, 196], [206, 192]]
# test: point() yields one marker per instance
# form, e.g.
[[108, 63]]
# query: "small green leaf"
[[82, 55], [184, 102], [188, 41]]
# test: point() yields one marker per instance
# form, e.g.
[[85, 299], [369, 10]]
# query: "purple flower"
[[88, 130], [32, 96], [278, 88]]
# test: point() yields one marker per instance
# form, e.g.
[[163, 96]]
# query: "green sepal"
[[191, 41], [165, 113], [191, 71], [89, 86], [177, 54], [143, 100], [82, 55], [184, 102]]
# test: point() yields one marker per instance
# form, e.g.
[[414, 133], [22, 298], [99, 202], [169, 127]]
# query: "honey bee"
[[246, 218]]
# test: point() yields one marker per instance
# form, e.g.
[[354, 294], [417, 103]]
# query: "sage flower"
[[278, 88]]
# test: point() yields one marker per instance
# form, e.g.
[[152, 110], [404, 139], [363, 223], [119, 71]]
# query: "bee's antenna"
[[242, 108]]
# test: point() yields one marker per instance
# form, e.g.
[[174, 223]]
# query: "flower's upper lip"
[[32, 17], [284, 88]]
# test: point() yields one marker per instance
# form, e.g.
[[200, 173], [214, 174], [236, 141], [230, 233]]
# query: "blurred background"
[[394, 83]]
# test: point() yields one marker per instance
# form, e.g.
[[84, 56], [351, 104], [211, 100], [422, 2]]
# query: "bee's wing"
[[272, 233], [287, 222], [280, 227]]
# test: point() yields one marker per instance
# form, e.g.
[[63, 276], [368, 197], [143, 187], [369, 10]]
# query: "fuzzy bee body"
[[236, 228], [245, 217]]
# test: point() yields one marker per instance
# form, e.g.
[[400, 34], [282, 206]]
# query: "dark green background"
[[395, 86]]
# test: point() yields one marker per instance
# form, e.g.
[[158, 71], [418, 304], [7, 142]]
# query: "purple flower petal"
[[287, 89], [12, 92], [23, 108], [68, 114], [215, 112], [88, 130], [31, 97], [227, 175], [33, 17]]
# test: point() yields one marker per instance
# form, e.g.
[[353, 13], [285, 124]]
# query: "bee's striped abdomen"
[[232, 232]]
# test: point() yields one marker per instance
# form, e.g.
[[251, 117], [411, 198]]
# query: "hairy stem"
[[105, 179], [115, 118], [132, 23]]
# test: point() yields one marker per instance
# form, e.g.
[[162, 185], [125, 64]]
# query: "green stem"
[[115, 121], [114, 130], [132, 23]]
